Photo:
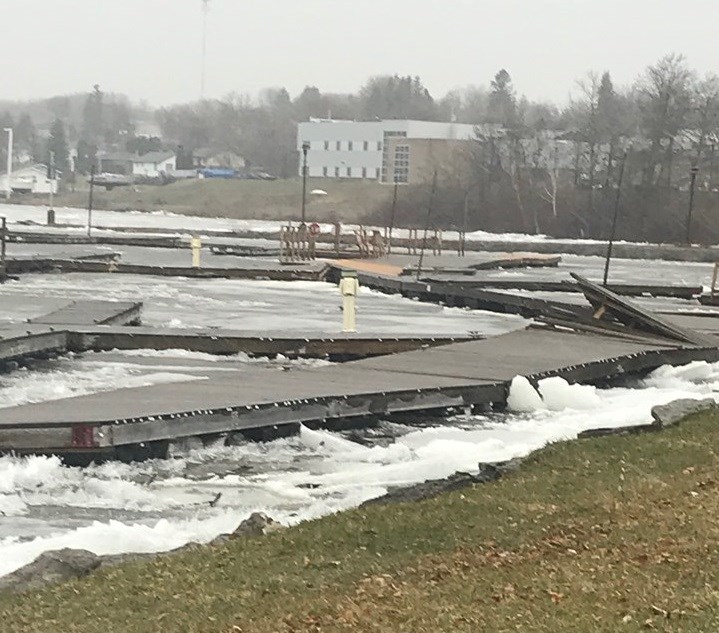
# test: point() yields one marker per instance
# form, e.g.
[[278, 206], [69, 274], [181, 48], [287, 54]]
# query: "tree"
[[57, 145], [609, 127], [6, 121], [92, 117], [395, 97], [664, 99], [310, 103], [502, 107], [704, 118], [26, 135]]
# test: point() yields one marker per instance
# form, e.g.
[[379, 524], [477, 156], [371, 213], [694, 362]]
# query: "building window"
[[349, 146], [327, 146], [364, 172], [401, 163], [366, 146], [337, 172], [388, 134], [339, 145], [376, 173], [349, 172], [379, 146], [324, 172]]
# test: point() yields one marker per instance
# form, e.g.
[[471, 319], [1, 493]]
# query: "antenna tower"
[[205, 11]]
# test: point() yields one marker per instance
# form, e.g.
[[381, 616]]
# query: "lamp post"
[[305, 149], [692, 182], [8, 189]]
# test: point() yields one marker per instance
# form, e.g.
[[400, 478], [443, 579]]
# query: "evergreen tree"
[[26, 136], [92, 117], [57, 144], [6, 121], [607, 110], [502, 102]]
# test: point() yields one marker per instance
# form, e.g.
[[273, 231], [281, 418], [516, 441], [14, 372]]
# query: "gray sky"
[[150, 49]]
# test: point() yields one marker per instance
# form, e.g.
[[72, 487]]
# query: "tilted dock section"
[[457, 375]]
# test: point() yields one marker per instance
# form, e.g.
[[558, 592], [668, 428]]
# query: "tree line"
[[546, 169]]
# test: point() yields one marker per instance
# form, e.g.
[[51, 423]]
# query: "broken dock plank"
[[266, 343], [90, 312]]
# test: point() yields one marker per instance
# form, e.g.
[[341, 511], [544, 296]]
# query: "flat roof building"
[[370, 149]]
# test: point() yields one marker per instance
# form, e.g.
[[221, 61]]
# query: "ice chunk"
[[523, 397]]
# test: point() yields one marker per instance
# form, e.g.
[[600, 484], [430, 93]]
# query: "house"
[[32, 179], [150, 165], [207, 158], [361, 149]]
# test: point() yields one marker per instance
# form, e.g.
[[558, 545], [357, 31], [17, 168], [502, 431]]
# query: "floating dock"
[[126, 422]]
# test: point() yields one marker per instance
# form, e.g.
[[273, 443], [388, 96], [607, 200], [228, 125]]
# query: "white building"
[[154, 164], [358, 149], [149, 165], [31, 179]]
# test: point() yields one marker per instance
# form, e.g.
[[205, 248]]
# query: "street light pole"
[[89, 200], [693, 179], [8, 190], [615, 218], [305, 149]]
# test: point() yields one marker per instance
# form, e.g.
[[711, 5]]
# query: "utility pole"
[[89, 201], [692, 183], [3, 243], [613, 231], [426, 225], [305, 149], [8, 189], [51, 211]]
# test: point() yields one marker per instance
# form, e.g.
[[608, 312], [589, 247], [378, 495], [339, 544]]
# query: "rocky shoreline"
[[60, 566]]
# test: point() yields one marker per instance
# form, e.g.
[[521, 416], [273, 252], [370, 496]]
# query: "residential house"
[[32, 179], [207, 158], [150, 165]]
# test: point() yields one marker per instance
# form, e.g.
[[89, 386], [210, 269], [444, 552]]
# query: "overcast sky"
[[150, 49]]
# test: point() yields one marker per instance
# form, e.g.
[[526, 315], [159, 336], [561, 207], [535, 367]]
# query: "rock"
[[635, 429], [51, 568], [257, 524], [670, 414], [436, 487]]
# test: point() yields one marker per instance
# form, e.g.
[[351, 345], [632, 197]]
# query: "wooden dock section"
[[338, 347], [314, 271], [50, 334], [460, 375], [93, 312]]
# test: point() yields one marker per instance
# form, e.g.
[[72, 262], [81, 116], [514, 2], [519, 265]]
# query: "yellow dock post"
[[196, 245]]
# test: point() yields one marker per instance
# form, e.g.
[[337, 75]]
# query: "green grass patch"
[[242, 199], [609, 534]]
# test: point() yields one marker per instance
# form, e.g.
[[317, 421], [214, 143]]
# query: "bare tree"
[[664, 99], [550, 191]]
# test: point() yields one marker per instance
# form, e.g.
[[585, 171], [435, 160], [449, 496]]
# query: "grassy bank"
[[609, 534], [241, 199]]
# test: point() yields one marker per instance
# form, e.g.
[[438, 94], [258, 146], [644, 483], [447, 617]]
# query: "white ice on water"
[[96, 372], [160, 505], [251, 305]]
